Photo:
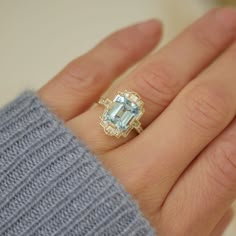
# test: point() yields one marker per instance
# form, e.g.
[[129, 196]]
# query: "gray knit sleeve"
[[50, 184]]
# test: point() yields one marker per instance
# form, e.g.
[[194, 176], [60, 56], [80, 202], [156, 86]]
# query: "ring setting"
[[122, 114]]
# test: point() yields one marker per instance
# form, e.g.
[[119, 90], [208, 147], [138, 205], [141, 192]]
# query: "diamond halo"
[[122, 114]]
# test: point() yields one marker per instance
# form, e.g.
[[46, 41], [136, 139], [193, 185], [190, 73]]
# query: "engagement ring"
[[122, 115]]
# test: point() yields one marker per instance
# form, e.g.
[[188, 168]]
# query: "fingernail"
[[149, 27]]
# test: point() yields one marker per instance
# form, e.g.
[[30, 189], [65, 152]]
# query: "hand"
[[182, 167]]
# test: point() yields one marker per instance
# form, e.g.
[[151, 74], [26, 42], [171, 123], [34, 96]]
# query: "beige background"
[[37, 38]]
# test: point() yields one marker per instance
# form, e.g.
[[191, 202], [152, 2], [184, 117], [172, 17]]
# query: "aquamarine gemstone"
[[126, 118], [122, 112], [114, 112]]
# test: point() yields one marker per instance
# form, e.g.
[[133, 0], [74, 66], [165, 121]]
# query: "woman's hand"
[[182, 167]]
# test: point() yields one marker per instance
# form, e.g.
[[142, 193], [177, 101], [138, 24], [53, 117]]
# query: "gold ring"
[[122, 114]]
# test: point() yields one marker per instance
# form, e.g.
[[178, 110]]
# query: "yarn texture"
[[51, 184]]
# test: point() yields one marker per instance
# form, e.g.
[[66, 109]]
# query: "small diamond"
[[134, 98]]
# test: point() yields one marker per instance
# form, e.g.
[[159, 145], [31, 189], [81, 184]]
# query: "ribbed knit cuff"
[[50, 184]]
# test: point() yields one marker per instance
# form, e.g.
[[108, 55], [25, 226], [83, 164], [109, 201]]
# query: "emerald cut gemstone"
[[122, 112]]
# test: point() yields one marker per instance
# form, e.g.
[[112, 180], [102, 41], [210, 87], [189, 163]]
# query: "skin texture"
[[182, 167]]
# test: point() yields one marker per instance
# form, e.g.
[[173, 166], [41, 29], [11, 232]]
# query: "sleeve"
[[50, 184]]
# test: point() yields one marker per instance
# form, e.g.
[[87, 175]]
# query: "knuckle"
[[205, 38], [209, 33], [122, 42], [222, 163], [206, 108], [156, 84], [78, 75]]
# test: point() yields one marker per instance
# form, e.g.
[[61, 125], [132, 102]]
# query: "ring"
[[122, 115]]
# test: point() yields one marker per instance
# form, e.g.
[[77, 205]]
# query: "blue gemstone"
[[122, 112]]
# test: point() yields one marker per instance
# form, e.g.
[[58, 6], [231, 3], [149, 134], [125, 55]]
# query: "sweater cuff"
[[50, 184]]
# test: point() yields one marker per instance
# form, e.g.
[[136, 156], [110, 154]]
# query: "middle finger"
[[163, 75]]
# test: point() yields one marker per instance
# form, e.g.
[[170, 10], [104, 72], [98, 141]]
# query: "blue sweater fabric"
[[51, 185]]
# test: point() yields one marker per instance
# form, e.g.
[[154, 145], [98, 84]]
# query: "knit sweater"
[[51, 184]]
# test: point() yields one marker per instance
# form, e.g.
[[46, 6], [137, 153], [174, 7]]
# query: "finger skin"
[[214, 171], [164, 74], [83, 80], [159, 79], [223, 224], [198, 114], [206, 189]]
